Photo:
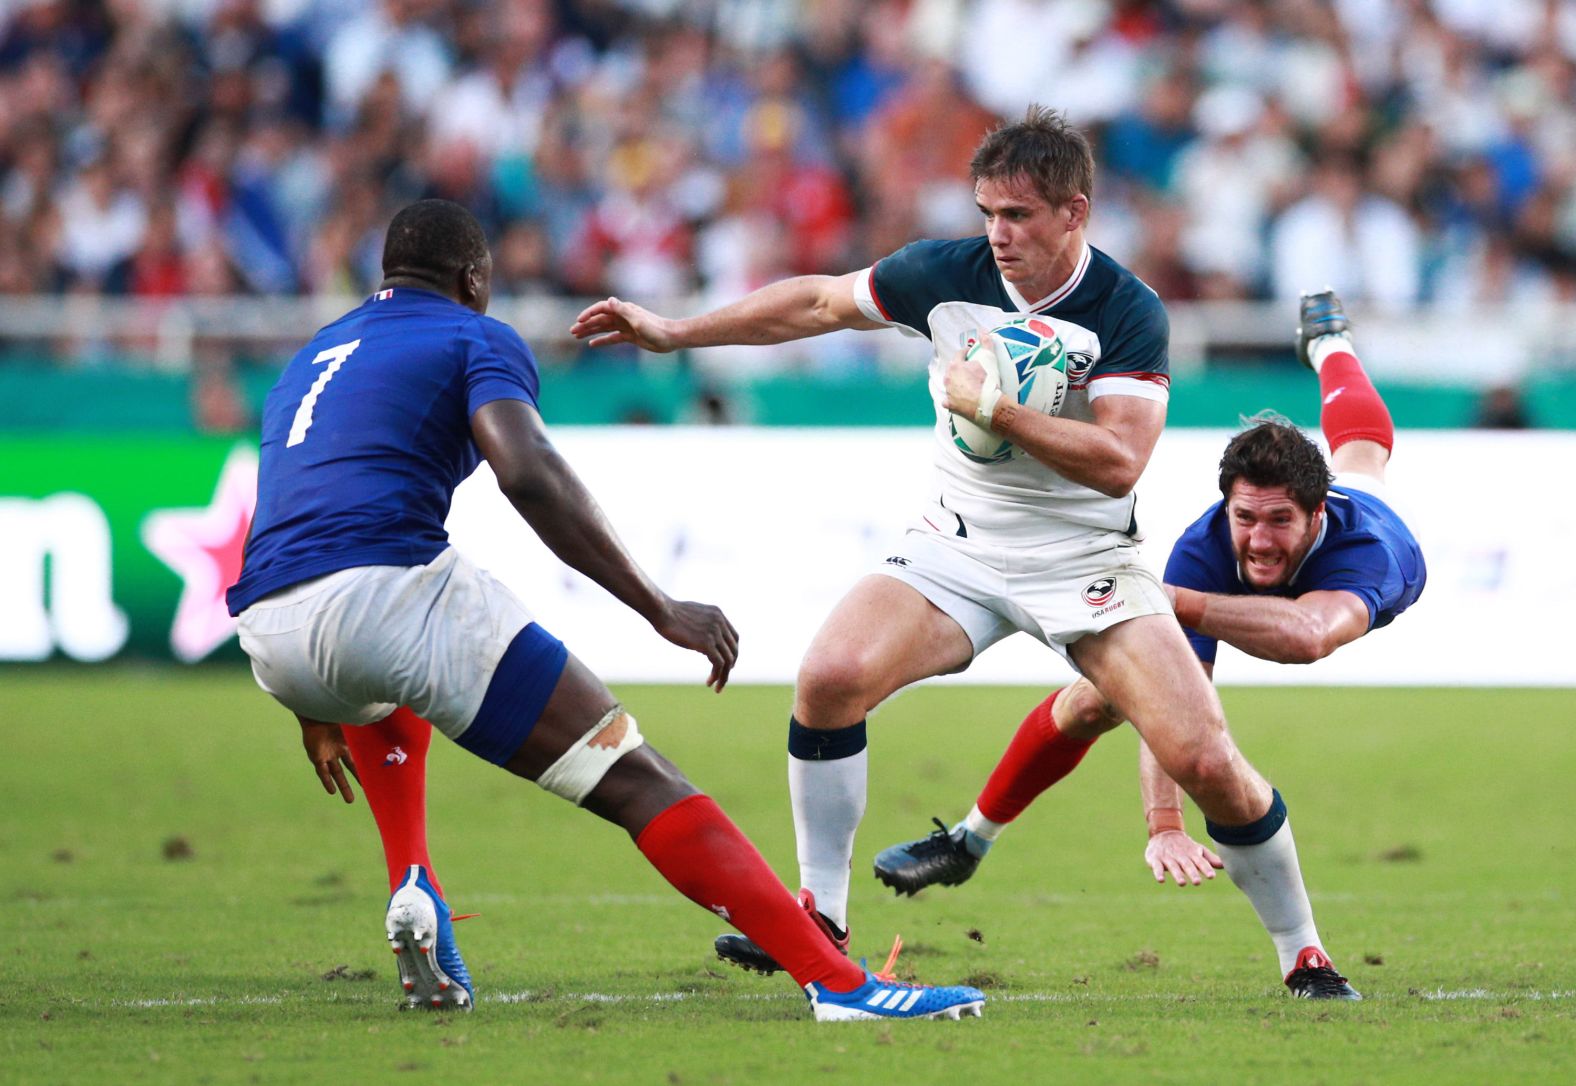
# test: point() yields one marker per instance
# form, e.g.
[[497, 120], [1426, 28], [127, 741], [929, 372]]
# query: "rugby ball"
[[1024, 358]]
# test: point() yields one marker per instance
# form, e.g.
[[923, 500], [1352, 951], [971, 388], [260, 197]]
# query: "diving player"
[[351, 602], [1016, 546], [1289, 565]]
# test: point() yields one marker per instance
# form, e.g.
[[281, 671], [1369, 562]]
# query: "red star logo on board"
[[204, 547]]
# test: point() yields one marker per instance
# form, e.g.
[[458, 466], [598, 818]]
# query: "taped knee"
[[582, 767]]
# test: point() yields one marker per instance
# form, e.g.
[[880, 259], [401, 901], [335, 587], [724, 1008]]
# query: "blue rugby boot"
[[432, 974], [1320, 314], [878, 997]]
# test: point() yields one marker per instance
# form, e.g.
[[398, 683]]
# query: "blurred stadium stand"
[[189, 187]]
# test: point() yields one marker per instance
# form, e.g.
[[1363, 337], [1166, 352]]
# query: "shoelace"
[[885, 974], [940, 840], [1323, 977]]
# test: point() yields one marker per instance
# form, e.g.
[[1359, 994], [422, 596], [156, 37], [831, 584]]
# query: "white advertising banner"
[[775, 525]]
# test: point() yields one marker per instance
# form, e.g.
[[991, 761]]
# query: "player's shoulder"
[[1125, 298], [957, 269]]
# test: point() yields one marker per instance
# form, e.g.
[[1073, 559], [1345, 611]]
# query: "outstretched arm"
[[791, 309], [1287, 631], [1170, 849], [1108, 454], [545, 491]]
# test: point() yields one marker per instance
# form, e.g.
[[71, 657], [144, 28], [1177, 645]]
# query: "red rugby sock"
[[1353, 409], [391, 762], [1038, 756], [708, 860]]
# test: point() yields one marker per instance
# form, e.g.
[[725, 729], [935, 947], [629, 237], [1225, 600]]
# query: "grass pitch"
[[187, 905]]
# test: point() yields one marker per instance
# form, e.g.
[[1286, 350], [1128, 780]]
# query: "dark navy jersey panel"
[[367, 433], [1367, 550], [1127, 317], [920, 276]]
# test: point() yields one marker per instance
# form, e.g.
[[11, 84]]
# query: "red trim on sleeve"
[[1141, 375], [875, 297]]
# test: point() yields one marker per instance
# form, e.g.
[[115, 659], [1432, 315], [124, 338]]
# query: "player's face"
[[1035, 243], [1270, 532]]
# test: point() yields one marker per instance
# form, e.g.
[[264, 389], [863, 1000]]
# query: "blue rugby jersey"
[[1363, 548], [367, 433]]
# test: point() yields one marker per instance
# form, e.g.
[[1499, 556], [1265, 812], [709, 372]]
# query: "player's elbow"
[[1120, 479], [1308, 643]]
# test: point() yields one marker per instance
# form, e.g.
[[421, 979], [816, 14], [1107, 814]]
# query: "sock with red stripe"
[[704, 855], [1353, 409], [391, 762], [1038, 756]]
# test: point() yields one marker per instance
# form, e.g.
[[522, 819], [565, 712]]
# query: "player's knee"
[[829, 684], [1086, 713], [583, 766], [1207, 769]]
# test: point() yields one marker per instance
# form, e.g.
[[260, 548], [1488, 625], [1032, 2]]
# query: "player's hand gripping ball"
[[1024, 359]]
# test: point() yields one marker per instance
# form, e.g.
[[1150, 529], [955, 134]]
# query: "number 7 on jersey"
[[335, 357]]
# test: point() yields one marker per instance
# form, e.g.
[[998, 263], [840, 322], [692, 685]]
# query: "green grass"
[[1434, 829]]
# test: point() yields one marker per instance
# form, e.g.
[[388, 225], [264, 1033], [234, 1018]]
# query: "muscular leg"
[[683, 833], [882, 636], [1147, 669]]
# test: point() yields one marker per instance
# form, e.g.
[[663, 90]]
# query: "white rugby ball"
[[1026, 359]]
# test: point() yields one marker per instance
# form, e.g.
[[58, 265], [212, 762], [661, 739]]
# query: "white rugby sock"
[[979, 832], [1271, 877], [828, 794]]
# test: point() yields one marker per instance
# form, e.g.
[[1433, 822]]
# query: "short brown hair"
[[1275, 453], [1044, 149]]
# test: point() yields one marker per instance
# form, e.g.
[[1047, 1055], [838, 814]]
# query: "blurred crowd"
[[1405, 151]]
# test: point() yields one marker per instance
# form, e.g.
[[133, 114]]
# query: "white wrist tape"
[[582, 766], [990, 396]]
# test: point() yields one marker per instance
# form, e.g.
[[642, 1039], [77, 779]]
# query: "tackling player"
[[351, 603], [1288, 566], [1043, 543]]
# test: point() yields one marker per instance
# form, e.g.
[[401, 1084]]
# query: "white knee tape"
[[582, 766]]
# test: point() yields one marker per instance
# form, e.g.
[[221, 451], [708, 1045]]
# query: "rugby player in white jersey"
[[1043, 543]]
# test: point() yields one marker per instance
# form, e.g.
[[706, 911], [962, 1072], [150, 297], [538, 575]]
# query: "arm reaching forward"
[[1170, 849], [809, 305], [545, 491]]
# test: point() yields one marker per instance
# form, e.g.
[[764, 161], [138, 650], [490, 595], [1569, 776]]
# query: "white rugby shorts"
[[1057, 592], [351, 647]]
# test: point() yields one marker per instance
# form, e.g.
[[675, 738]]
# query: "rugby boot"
[[420, 930], [740, 950], [1319, 313], [1315, 978], [944, 857], [882, 997]]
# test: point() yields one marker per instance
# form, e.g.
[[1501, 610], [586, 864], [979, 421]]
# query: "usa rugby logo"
[[1078, 367], [1099, 593]]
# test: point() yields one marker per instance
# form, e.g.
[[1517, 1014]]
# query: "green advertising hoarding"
[[114, 546]]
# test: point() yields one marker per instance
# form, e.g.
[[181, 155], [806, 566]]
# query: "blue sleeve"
[[498, 365], [1192, 565], [905, 284], [1140, 343], [1363, 570]]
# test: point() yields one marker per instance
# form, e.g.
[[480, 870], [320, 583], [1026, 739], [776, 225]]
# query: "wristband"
[[990, 396], [1163, 820], [1190, 607]]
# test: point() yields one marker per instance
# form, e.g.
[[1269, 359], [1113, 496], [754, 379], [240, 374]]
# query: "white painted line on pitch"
[[548, 996]]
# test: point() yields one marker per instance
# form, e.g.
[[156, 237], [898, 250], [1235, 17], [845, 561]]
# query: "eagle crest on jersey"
[[1113, 330]]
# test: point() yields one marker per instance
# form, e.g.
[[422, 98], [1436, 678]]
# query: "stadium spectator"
[[284, 127]]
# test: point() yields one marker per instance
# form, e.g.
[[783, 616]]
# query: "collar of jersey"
[[1057, 295]]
